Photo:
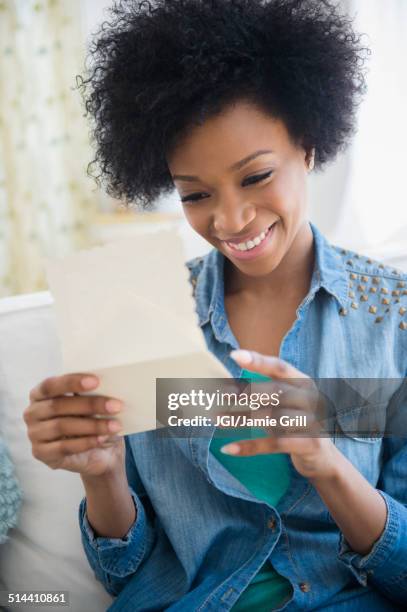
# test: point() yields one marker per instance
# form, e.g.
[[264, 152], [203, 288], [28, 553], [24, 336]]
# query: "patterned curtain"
[[47, 202]]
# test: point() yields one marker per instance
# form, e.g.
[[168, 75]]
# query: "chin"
[[256, 269]]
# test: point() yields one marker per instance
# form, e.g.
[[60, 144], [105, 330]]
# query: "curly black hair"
[[159, 67]]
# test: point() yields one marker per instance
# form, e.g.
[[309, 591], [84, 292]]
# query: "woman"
[[234, 102]]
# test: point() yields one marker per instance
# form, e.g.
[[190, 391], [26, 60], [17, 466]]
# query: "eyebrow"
[[235, 166]]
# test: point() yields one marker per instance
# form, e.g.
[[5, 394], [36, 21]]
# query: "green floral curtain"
[[47, 202]]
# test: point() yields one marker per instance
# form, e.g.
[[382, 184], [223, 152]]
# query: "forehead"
[[234, 133]]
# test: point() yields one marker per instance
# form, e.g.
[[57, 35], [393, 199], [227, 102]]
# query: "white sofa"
[[44, 551]]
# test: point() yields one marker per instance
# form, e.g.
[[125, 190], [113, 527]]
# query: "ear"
[[310, 159]]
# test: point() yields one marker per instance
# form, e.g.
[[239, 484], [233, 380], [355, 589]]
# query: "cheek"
[[197, 219], [286, 196], [277, 199]]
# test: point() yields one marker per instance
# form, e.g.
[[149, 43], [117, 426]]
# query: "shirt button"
[[271, 524], [305, 587]]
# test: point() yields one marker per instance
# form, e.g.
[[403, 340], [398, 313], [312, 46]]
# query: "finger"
[[280, 388], [285, 397], [59, 385], [269, 366], [80, 405], [264, 446], [272, 395], [49, 452], [55, 429], [248, 448]]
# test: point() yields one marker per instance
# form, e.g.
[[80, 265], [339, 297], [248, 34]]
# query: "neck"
[[292, 275]]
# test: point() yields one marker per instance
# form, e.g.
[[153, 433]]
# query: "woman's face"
[[243, 186]]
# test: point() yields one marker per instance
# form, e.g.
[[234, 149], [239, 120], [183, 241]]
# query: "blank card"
[[125, 312]]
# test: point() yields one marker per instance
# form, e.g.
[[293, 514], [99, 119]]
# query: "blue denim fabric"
[[200, 535]]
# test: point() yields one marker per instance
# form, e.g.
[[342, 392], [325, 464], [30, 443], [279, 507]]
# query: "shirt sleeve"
[[115, 560], [385, 566]]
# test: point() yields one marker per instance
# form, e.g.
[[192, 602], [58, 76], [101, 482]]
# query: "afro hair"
[[157, 68]]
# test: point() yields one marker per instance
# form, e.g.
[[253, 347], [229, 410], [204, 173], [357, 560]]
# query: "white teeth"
[[250, 244]]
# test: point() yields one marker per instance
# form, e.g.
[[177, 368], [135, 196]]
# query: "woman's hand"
[[313, 457], [356, 506], [63, 431]]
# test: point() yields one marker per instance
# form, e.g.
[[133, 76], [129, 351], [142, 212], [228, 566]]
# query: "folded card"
[[125, 312]]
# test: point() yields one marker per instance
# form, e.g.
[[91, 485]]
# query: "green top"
[[268, 588]]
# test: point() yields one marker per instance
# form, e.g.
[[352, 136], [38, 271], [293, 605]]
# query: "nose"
[[232, 215]]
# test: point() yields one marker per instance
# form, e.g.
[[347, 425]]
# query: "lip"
[[252, 253], [247, 237]]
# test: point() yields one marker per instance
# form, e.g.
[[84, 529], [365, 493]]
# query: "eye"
[[251, 180], [257, 178], [194, 197]]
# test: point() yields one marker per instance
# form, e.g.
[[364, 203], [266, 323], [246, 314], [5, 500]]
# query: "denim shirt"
[[200, 536]]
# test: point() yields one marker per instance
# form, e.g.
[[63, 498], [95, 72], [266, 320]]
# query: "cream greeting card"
[[125, 312]]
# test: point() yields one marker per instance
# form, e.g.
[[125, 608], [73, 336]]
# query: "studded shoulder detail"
[[379, 289], [194, 266]]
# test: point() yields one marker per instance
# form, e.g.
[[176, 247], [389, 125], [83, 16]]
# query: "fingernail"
[[230, 449], [113, 405], [89, 382], [244, 357], [102, 439], [114, 426]]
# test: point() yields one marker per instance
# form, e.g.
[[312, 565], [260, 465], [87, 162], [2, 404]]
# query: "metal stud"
[[395, 292], [351, 294], [375, 280], [343, 252], [401, 285], [355, 305], [349, 262], [369, 261], [372, 309], [356, 256], [378, 319], [381, 266], [384, 290], [403, 325], [361, 287], [396, 272], [364, 279], [364, 298], [353, 276], [402, 310], [387, 310], [397, 300], [386, 301], [343, 312], [373, 289], [404, 292]]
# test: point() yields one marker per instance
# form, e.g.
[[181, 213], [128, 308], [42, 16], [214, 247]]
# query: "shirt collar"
[[209, 291], [329, 269], [329, 273]]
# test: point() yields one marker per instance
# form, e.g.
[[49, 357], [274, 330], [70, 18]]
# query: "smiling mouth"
[[250, 244]]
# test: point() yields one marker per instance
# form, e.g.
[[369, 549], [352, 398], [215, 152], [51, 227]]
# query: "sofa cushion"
[[44, 550]]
